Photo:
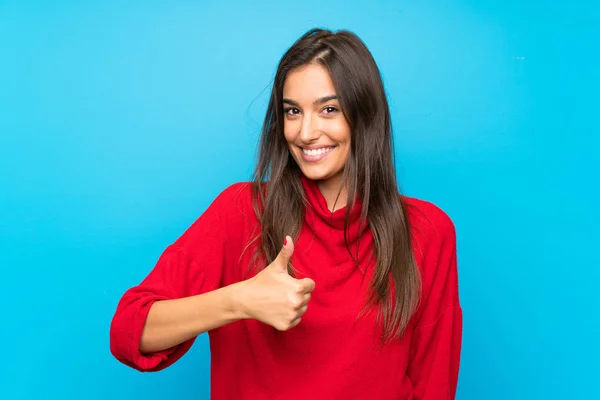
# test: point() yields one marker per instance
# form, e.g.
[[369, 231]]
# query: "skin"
[[313, 120], [272, 297]]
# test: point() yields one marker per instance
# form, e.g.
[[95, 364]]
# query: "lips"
[[316, 154], [319, 151]]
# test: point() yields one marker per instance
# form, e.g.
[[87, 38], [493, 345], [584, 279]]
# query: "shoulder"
[[234, 197], [227, 213], [221, 226], [236, 190], [434, 246], [428, 217], [431, 226]]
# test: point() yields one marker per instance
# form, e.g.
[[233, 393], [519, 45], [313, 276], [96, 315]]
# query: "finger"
[[306, 285], [306, 297], [302, 310], [300, 302], [296, 302], [285, 254], [295, 322]]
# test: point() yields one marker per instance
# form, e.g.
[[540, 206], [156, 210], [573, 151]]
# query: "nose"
[[309, 131]]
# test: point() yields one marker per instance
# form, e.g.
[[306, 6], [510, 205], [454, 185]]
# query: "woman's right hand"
[[273, 296]]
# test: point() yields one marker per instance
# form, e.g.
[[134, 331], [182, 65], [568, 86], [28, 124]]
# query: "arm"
[[151, 327], [172, 322], [157, 321], [437, 338], [272, 297]]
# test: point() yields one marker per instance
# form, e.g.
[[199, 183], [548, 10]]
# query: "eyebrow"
[[316, 102]]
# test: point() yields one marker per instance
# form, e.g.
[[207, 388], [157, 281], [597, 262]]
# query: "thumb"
[[285, 254]]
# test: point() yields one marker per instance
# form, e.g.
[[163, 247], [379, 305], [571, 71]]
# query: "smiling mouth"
[[316, 155], [317, 152]]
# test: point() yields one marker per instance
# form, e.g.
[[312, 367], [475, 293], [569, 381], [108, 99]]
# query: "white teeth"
[[317, 152]]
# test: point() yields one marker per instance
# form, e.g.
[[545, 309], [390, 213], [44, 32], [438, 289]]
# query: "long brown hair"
[[369, 172]]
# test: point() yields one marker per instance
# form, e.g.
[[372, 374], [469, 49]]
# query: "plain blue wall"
[[120, 123]]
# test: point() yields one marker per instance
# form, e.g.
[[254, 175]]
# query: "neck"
[[334, 193]]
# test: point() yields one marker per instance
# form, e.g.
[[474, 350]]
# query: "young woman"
[[317, 280]]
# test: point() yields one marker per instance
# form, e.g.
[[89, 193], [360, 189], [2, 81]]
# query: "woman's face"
[[315, 128]]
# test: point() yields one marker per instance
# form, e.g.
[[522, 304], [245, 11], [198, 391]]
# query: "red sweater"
[[331, 354]]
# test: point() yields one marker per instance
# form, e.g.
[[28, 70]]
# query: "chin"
[[315, 174], [316, 171]]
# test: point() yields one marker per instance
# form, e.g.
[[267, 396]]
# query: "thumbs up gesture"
[[274, 297]]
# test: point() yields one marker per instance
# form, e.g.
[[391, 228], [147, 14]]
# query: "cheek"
[[289, 131], [290, 139], [345, 152], [338, 130], [342, 136]]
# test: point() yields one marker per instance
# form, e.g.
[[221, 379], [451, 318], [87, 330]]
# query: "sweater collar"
[[317, 205]]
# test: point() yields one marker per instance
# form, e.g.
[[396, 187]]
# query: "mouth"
[[316, 154]]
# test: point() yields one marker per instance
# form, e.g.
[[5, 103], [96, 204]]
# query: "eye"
[[330, 110], [291, 111]]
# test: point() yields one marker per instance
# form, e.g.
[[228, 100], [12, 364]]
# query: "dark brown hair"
[[369, 172]]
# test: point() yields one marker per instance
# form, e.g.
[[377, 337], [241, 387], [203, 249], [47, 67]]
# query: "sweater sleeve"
[[437, 337], [192, 265]]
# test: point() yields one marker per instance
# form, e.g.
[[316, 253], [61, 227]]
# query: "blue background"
[[119, 123]]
